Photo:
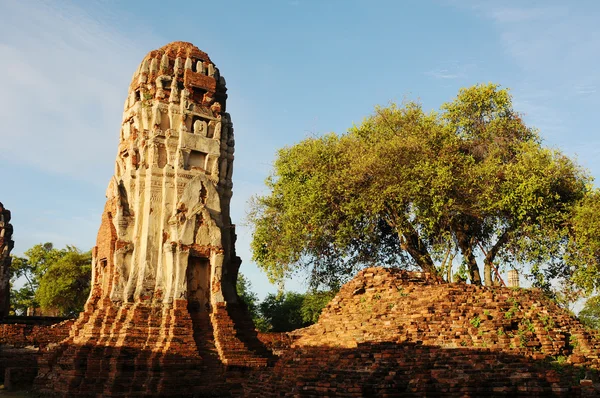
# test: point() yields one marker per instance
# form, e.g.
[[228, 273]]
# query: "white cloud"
[[505, 14], [443, 74], [452, 70], [584, 90], [63, 87], [555, 47]]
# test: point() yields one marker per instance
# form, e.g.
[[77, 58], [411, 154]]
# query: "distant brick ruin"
[[163, 316], [6, 245]]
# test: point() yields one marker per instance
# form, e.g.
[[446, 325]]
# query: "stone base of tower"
[[152, 350]]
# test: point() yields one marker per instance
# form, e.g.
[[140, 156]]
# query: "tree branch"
[[416, 248]]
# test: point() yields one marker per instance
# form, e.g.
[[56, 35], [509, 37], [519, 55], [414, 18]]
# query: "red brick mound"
[[395, 333]]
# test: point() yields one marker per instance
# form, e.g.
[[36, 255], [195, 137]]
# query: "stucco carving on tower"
[[6, 245], [168, 202], [164, 264]]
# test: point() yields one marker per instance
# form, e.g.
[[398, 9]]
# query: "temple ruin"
[[393, 333], [6, 245], [164, 319], [163, 316]]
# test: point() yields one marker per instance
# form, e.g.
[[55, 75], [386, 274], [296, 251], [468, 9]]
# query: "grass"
[[514, 308], [475, 321]]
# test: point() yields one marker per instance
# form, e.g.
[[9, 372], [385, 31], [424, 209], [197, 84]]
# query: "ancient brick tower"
[[6, 245], [163, 316]]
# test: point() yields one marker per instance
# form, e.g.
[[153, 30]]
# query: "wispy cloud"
[[585, 90], [63, 87], [554, 42], [553, 48], [443, 74], [504, 14], [451, 71]]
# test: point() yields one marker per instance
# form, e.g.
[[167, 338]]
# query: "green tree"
[[283, 312], [313, 304], [30, 269], [420, 189], [590, 314], [572, 271], [247, 296], [65, 286], [583, 253], [566, 294], [21, 299], [65, 268]]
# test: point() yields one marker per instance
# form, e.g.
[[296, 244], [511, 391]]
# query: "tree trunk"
[[417, 250], [466, 248], [488, 262], [487, 273]]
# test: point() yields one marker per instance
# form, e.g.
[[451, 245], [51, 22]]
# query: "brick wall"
[[18, 366], [394, 333], [277, 343], [392, 305], [137, 349], [236, 338], [20, 344], [31, 334], [130, 349], [387, 333]]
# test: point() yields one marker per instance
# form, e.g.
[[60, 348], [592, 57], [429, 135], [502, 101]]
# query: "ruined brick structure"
[[395, 333], [34, 331], [21, 339], [6, 245], [163, 316]]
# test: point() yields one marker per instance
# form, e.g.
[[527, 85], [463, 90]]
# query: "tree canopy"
[[288, 311], [471, 184], [246, 295], [56, 279], [284, 311], [590, 314], [65, 286]]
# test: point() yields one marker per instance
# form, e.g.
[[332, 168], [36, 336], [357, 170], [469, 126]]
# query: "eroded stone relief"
[[6, 245], [175, 132], [164, 266]]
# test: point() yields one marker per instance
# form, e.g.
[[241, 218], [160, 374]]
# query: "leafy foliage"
[[283, 312], [423, 189], [53, 278], [313, 304], [65, 286], [21, 299], [565, 294], [30, 268], [288, 311], [590, 314], [583, 252], [245, 293]]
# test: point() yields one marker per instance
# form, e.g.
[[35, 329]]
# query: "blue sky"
[[294, 68]]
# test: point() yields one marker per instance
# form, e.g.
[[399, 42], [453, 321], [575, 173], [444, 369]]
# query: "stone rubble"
[[395, 333]]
